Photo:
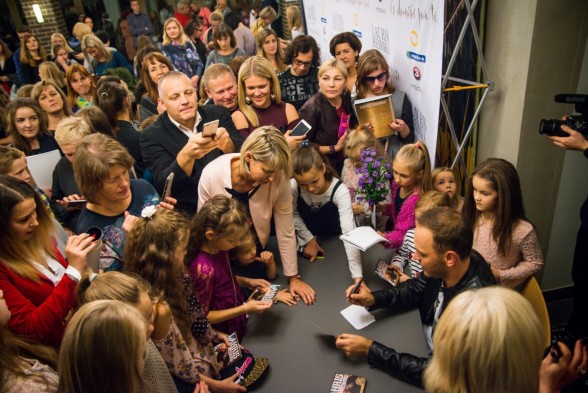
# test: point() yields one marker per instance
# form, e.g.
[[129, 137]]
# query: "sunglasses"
[[372, 79]]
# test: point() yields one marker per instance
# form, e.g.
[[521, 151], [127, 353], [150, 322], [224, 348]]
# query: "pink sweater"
[[405, 219], [523, 259]]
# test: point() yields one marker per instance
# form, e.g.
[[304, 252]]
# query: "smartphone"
[[209, 129], [301, 128], [77, 203], [168, 186], [555, 351]]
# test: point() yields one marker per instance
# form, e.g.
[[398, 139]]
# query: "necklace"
[[406, 194], [233, 281]]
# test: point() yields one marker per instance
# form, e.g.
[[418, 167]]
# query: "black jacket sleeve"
[[409, 294], [403, 366]]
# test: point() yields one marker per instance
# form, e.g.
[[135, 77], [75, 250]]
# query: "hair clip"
[[148, 211], [305, 143], [103, 94], [92, 277]]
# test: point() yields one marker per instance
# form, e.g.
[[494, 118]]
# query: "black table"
[[301, 360]]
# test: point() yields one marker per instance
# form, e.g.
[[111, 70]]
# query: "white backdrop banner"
[[409, 33]]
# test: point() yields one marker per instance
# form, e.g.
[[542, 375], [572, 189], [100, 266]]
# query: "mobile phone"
[[168, 186], [355, 289], [77, 203], [301, 128], [209, 129], [555, 352]]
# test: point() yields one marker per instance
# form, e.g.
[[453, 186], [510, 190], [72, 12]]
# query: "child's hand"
[[358, 209], [286, 297], [266, 257], [222, 337], [257, 306], [401, 276], [129, 222], [381, 233], [311, 250], [253, 283]]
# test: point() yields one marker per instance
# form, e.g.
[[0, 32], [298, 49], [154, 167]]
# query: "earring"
[[273, 96], [248, 100]]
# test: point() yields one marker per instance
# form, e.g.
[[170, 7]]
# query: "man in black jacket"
[[443, 244], [174, 143]]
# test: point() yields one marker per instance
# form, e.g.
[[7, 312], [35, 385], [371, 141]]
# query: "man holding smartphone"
[[176, 143]]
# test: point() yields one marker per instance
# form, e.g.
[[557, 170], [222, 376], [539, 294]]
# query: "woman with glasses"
[[373, 79]]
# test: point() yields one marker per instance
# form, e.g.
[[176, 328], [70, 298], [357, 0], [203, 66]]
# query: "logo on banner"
[[414, 38], [357, 33], [323, 19], [338, 23], [416, 73], [416, 57], [355, 19], [381, 39]]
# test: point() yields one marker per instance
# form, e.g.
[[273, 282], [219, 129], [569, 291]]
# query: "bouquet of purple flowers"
[[374, 179]]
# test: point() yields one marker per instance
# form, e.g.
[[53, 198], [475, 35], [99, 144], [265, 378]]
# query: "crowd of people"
[[178, 164]]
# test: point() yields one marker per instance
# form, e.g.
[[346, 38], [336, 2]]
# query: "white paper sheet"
[[41, 167], [358, 316]]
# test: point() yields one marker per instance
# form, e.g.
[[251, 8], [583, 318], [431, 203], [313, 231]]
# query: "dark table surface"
[[301, 359]]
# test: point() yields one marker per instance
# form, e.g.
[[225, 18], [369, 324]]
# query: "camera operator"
[[577, 325]]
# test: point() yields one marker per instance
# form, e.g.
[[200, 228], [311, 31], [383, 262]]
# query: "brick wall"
[[54, 20]]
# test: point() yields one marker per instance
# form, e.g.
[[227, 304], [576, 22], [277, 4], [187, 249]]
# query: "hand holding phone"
[[301, 128], [209, 129], [168, 186]]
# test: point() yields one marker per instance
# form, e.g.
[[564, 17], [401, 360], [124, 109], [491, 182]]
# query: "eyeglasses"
[[299, 63], [372, 79]]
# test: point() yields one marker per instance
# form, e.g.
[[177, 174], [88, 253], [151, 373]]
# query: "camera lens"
[[550, 127]]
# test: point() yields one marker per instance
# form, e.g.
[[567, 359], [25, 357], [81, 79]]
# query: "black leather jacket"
[[421, 292]]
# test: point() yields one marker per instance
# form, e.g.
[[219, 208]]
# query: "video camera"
[[579, 123]]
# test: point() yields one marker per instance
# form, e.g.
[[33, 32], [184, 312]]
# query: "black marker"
[[355, 288]]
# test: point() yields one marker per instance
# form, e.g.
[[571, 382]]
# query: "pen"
[[355, 289]]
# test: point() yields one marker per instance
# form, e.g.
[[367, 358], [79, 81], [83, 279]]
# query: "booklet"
[[387, 274], [234, 350], [266, 294], [362, 237], [348, 383], [378, 111]]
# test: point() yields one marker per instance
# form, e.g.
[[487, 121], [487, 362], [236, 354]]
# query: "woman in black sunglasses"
[[373, 79]]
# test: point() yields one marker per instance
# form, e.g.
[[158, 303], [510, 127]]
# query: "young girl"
[[80, 87], [101, 335], [225, 46], [246, 263], [155, 250], [443, 180], [322, 205], [502, 233], [404, 254], [412, 177], [217, 228], [50, 72], [294, 21], [357, 141]]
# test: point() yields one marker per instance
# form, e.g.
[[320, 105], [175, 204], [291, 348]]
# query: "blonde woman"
[[103, 58], [266, 17], [103, 334], [268, 46], [260, 103], [294, 21], [52, 101], [490, 340], [260, 174], [180, 51], [57, 39], [50, 72]]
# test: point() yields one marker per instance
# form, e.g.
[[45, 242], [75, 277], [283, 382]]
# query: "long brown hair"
[[369, 62], [151, 86], [71, 94], [26, 56], [19, 141], [509, 211], [14, 253], [280, 57], [150, 251]]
